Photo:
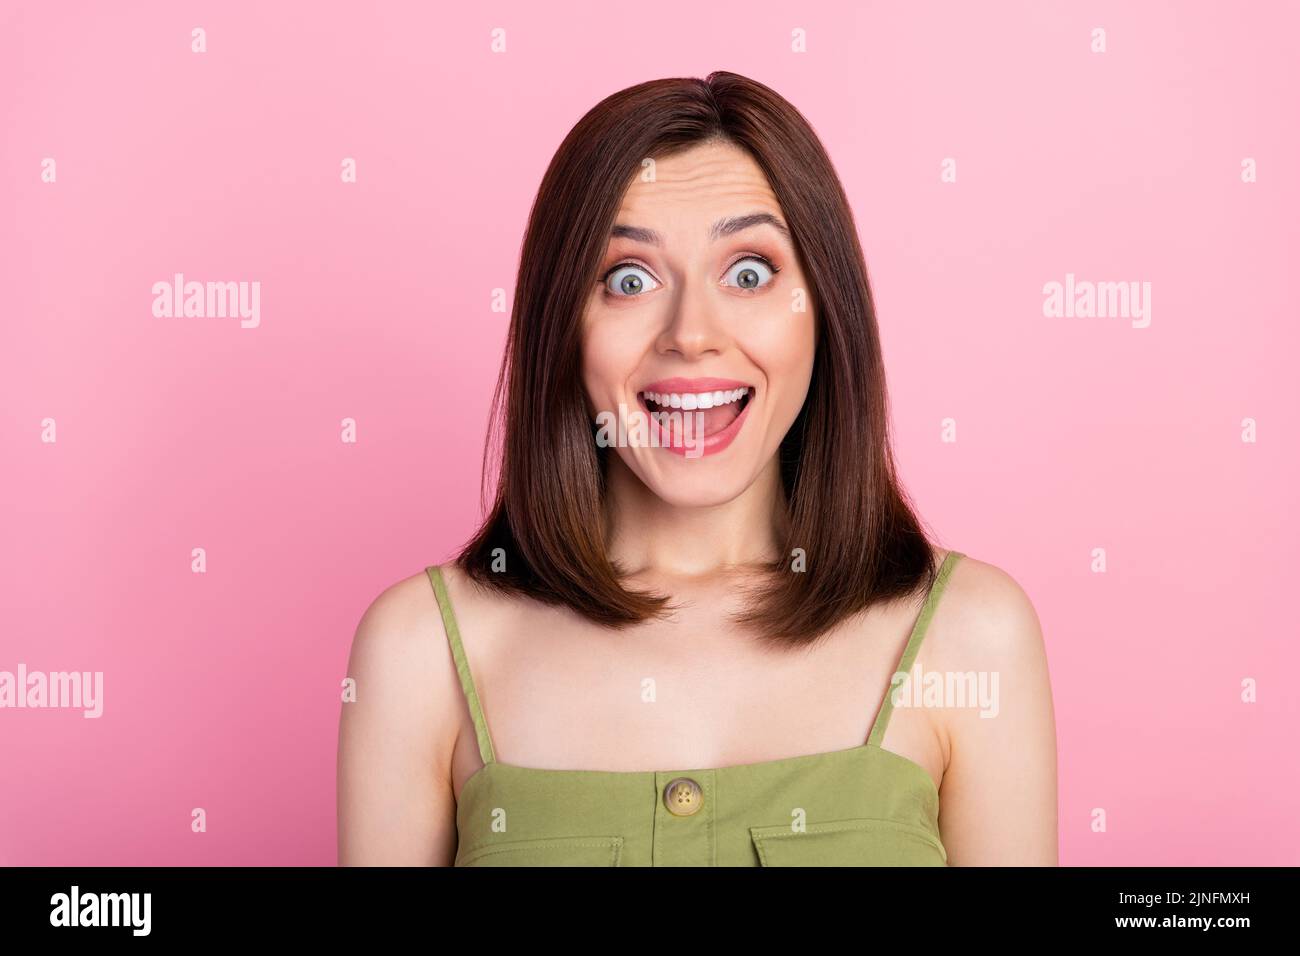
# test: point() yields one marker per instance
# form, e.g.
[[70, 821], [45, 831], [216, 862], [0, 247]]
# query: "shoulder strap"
[[913, 645], [462, 663]]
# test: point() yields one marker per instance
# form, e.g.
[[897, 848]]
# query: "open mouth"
[[694, 417], [720, 408]]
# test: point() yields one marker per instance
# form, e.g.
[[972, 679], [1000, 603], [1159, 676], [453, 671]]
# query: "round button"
[[683, 797]]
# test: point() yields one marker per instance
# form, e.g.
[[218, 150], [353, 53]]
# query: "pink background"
[[221, 689]]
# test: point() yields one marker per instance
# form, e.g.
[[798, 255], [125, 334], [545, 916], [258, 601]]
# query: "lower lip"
[[712, 444]]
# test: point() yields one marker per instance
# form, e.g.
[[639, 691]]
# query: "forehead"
[[702, 182]]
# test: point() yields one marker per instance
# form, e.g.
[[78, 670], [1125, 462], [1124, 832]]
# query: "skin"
[[694, 529]]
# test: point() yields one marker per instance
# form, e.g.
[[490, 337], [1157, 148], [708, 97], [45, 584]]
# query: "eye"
[[628, 280], [751, 273]]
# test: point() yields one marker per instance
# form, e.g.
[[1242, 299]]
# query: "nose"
[[695, 328]]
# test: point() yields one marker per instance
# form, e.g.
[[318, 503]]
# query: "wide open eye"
[[628, 280], [750, 273]]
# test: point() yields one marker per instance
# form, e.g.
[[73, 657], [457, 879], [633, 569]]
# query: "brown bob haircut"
[[861, 541]]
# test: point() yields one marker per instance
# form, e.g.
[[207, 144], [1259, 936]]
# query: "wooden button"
[[683, 796]]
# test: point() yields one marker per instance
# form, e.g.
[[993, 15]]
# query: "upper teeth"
[[692, 400]]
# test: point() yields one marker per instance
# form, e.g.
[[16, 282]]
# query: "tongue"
[[716, 419], [698, 423]]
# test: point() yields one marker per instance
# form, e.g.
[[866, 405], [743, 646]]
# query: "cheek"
[[783, 345], [609, 359]]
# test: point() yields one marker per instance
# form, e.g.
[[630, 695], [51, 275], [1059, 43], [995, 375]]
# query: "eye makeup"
[[627, 262]]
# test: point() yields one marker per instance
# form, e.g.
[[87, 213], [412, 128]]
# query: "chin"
[[697, 483]]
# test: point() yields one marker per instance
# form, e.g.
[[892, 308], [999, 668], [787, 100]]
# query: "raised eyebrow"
[[734, 224], [722, 228]]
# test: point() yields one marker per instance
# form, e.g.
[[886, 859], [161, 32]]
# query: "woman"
[[674, 639]]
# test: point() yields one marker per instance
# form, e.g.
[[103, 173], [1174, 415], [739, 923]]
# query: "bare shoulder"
[[397, 733], [402, 643], [998, 798], [984, 617], [469, 598], [394, 638], [485, 615], [402, 638]]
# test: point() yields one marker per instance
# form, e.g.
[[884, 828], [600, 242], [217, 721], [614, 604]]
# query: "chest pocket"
[[551, 851], [860, 842]]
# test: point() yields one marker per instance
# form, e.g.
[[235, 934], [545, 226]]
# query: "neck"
[[649, 534]]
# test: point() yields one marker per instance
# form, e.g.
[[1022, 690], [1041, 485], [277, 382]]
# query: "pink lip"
[[712, 444]]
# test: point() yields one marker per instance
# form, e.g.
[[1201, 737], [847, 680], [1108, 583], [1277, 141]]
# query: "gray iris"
[[631, 284]]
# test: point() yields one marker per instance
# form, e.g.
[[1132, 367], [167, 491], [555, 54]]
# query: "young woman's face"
[[701, 321]]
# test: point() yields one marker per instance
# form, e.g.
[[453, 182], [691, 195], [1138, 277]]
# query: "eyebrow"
[[722, 228]]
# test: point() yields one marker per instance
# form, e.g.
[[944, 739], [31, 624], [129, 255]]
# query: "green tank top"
[[863, 806]]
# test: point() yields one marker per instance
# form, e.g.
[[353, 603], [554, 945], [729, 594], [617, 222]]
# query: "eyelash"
[[604, 280]]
